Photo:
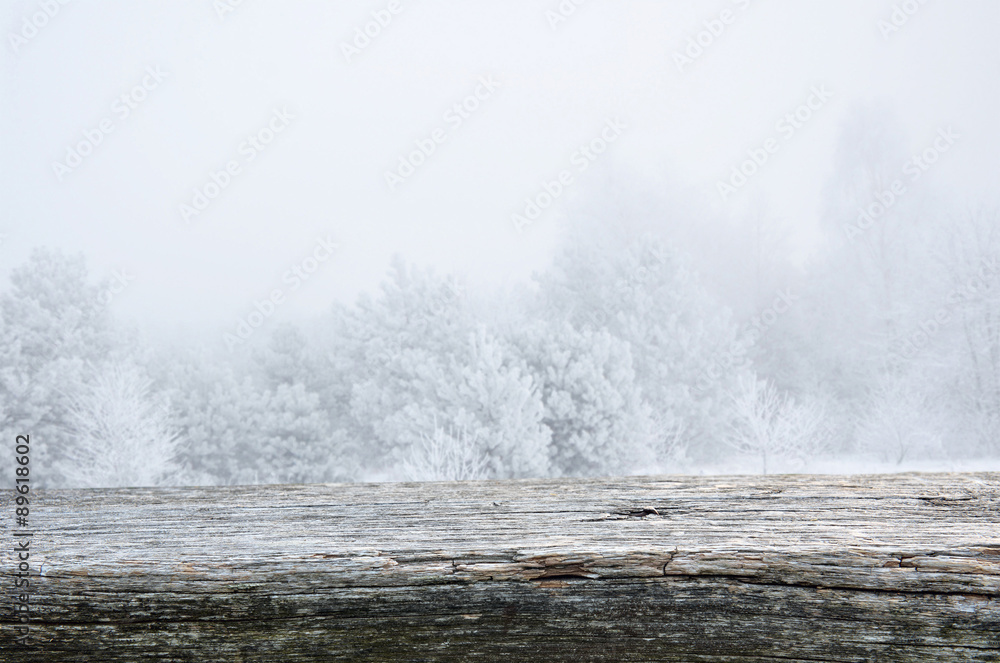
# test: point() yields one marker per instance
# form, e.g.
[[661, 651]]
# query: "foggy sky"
[[345, 123]]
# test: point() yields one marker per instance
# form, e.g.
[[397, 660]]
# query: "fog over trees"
[[250, 242], [634, 351]]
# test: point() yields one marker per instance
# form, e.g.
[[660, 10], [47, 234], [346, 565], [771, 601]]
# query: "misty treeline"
[[620, 357]]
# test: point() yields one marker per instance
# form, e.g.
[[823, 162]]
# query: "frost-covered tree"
[[399, 349], [495, 397], [287, 358], [870, 154], [416, 359], [874, 283], [593, 405], [767, 424], [681, 340], [900, 422], [240, 431], [956, 345], [119, 431], [487, 392], [53, 324]]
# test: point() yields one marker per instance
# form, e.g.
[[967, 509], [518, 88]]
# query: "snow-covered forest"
[[622, 357], [250, 242]]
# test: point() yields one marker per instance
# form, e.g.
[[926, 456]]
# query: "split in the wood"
[[623, 514]]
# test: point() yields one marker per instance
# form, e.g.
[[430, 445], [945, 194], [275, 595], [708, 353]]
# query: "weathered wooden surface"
[[692, 569]]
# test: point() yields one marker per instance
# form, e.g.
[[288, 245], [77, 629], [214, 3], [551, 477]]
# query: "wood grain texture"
[[682, 569]]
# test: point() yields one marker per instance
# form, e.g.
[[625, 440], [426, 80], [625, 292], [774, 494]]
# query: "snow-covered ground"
[[844, 465]]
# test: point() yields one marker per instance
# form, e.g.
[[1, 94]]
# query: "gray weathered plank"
[[748, 569]]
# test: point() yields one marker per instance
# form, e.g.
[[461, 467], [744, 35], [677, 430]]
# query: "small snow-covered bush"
[[445, 455], [767, 424]]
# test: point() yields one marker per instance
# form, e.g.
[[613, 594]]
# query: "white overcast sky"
[[324, 173]]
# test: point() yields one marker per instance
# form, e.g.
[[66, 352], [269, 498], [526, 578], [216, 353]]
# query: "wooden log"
[[685, 569]]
